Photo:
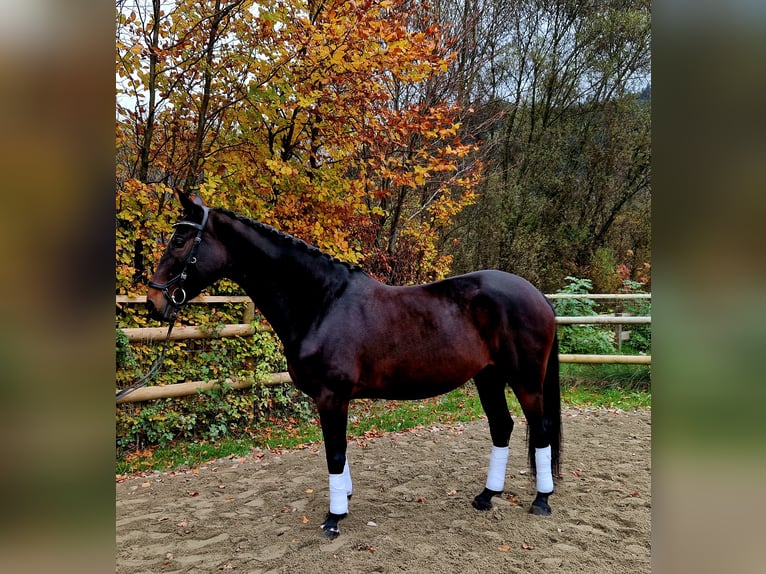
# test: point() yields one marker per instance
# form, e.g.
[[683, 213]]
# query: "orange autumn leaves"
[[318, 118]]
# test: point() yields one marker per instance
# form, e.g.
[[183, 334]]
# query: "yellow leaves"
[[419, 176], [449, 131], [446, 207], [140, 227], [339, 56], [209, 188], [280, 168], [318, 232], [460, 151]]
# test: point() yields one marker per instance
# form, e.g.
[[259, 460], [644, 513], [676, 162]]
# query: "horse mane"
[[287, 239]]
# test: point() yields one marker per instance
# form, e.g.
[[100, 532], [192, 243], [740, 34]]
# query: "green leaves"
[[587, 339]]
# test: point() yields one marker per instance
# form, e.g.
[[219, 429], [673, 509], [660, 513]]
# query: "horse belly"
[[420, 371]]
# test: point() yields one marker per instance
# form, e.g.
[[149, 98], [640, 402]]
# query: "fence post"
[[249, 313], [618, 333]]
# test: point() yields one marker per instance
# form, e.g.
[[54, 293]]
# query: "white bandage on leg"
[[347, 479], [497, 463], [543, 466], [338, 496]]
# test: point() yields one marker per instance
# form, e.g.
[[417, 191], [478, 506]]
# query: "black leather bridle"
[[191, 259]]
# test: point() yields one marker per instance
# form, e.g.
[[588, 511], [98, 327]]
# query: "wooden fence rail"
[[189, 388], [146, 334], [600, 296], [245, 299], [140, 334]]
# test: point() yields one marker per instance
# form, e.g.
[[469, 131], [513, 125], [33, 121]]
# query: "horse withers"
[[348, 336]]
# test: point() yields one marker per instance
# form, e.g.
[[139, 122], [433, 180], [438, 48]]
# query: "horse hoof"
[[330, 525], [540, 510], [331, 533], [540, 506], [483, 501]]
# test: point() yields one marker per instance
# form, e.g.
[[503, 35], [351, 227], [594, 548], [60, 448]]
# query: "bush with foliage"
[[125, 357], [594, 339], [208, 415], [640, 339], [581, 338]]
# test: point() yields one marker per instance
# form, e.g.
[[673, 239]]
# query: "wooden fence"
[[246, 328]]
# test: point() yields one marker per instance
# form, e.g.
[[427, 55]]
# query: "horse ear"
[[190, 202]]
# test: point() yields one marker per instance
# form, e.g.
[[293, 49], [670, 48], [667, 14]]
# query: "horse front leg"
[[333, 415]]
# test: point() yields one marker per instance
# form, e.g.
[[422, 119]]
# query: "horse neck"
[[288, 282]]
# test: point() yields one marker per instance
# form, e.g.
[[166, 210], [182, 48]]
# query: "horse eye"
[[178, 241]]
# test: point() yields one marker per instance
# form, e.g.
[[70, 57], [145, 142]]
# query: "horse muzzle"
[[160, 307]]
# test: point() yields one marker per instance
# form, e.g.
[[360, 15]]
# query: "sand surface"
[[411, 510]]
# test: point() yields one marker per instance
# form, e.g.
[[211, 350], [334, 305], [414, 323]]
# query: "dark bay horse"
[[347, 336]]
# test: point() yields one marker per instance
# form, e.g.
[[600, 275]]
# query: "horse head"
[[193, 260]]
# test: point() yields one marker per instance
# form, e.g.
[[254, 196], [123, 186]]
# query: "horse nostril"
[[150, 307]]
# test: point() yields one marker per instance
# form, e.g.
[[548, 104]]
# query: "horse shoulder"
[[329, 349]]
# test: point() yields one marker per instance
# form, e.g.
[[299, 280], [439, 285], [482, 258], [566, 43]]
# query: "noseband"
[[179, 279]]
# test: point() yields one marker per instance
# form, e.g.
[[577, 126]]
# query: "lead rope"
[[147, 377]]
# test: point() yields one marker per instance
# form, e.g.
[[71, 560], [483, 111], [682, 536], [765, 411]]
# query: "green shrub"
[[640, 339], [581, 339], [593, 339], [209, 415], [603, 270], [125, 357]]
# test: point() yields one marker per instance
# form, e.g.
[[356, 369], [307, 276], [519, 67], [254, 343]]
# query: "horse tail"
[[551, 408]]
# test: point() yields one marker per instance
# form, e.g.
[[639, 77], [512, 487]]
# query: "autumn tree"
[[291, 112], [179, 81], [553, 93]]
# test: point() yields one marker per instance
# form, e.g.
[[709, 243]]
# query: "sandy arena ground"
[[411, 510]]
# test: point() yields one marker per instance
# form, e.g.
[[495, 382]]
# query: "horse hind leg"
[[543, 445], [491, 387], [547, 438]]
